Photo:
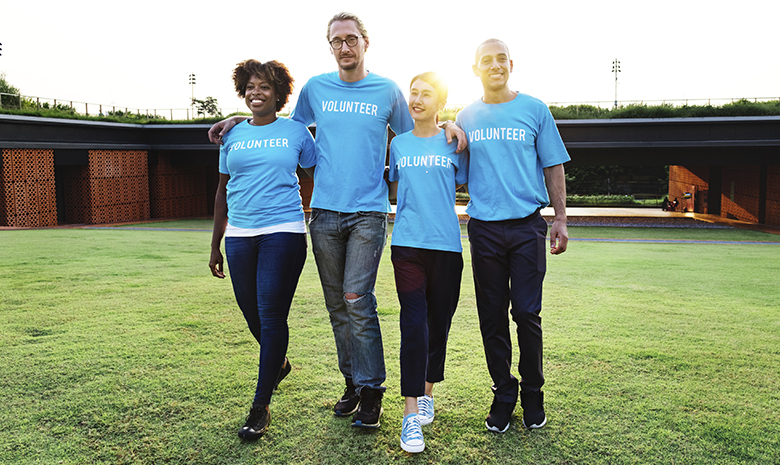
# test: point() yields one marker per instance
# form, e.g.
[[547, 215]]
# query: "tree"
[[209, 106], [6, 88]]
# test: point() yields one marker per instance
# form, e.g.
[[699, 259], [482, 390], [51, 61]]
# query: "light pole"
[[616, 69], [192, 99]]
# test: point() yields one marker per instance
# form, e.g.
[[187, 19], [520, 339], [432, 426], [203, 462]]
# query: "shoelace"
[[412, 430], [425, 406], [349, 393]]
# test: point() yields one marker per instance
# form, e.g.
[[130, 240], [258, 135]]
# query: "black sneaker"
[[348, 403], [533, 409], [256, 424], [499, 416], [283, 372], [370, 408]]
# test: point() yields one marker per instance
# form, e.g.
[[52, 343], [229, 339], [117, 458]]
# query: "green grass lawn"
[[117, 346]]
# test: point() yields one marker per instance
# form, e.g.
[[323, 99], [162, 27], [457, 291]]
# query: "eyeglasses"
[[350, 40]]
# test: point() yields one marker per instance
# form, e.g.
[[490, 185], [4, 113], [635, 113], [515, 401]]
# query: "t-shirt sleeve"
[[302, 112], [307, 158], [223, 168], [393, 174], [462, 175], [400, 120], [549, 145], [459, 120]]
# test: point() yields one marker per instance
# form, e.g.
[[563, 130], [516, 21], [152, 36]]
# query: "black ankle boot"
[[256, 423], [348, 403]]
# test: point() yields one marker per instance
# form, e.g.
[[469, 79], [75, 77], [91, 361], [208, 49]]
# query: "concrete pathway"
[[583, 216]]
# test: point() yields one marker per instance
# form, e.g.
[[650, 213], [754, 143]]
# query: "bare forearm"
[[556, 189], [555, 180], [392, 189], [220, 220]]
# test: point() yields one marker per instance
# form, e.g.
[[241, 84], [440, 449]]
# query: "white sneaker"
[[411, 434], [425, 409]]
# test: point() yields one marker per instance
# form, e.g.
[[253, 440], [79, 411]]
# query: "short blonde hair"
[[344, 16]]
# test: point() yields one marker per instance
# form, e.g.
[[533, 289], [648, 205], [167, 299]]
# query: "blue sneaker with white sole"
[[425, 409], [411, 434]]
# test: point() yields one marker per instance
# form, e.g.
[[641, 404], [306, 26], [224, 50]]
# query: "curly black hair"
[[272, 72]]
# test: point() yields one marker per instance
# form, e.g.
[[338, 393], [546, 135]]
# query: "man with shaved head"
[[515, 170]]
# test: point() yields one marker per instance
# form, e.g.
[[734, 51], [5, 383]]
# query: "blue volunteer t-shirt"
[[509, 143], [263, 189], [427, 170], [351, 138]]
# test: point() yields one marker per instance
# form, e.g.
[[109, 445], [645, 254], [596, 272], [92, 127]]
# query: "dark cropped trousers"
[[428, 285]]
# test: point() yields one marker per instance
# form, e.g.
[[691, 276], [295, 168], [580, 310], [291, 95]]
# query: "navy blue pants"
[[508, 261], [428, 286], [265, 271]]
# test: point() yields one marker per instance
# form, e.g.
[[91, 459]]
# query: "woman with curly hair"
[[258, 211]]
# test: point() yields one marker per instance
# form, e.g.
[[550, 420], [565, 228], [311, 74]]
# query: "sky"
[[140, 54]]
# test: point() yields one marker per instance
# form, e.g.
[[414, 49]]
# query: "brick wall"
[[178, 191], [739, 190], [741, 203], [693, 179], [112, 188], [27, 191], [773, 195]]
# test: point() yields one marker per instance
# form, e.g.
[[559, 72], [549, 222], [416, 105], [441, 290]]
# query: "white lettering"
[[425, 161], [345, 106], [496, 134], [259, 144]]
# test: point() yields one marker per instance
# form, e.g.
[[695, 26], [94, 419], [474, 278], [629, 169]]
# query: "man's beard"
[[350, 66]]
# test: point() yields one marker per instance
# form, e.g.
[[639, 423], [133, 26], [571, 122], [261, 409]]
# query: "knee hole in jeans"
[[351, 297]]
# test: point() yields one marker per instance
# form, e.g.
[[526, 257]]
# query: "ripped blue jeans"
[[347, 248]]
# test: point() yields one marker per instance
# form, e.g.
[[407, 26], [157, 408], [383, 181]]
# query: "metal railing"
[[674, 102], [19, 101]]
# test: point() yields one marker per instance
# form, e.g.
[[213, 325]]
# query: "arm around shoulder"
[[220, 128], [453, 131]]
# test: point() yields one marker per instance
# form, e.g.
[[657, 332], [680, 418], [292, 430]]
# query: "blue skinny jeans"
[[265, 271]]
